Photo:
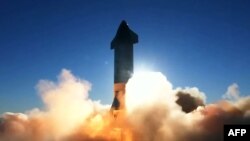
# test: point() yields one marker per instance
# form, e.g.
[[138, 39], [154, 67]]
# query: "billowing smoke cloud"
[[67, 106], [232, 93], [164, 113], [188, 102], [155, 111]]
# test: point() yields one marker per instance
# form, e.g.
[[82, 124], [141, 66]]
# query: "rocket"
[[122, 44]]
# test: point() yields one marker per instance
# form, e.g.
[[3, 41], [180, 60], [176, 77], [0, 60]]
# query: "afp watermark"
[[236, 132]]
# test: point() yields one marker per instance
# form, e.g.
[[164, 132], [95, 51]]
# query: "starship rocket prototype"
[[122, 44]]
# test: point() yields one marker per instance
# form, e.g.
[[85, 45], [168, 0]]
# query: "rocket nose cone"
[[124, 22], [123, 26], [124, 35]]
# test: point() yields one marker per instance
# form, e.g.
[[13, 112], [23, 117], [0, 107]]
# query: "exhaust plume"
[[155, 111]]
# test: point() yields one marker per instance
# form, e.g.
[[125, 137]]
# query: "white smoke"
[[67, 106], [232, 93], [155, 111]]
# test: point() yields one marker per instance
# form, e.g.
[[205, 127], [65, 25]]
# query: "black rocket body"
[[123, 62]]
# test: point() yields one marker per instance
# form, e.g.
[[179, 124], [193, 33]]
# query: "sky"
[[195, 43]]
